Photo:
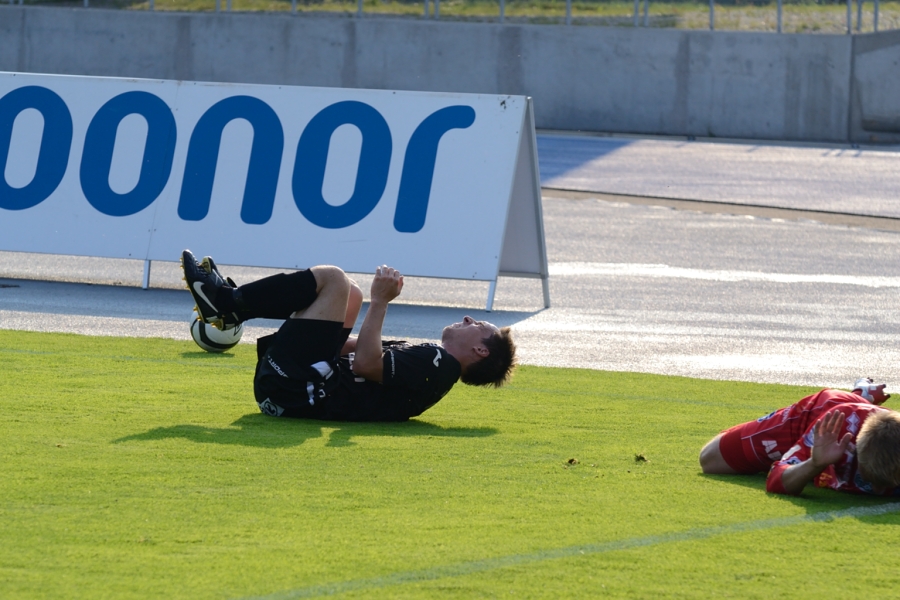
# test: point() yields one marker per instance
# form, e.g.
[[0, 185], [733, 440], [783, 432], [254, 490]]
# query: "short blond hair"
[[878, 449]]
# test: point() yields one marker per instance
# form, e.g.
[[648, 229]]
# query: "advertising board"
[[436, 185]]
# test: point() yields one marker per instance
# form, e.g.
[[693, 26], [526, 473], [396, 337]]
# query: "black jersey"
[[414, 379]]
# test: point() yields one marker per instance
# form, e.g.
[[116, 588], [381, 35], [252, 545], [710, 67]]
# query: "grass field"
[[798, 17], [141, 468]]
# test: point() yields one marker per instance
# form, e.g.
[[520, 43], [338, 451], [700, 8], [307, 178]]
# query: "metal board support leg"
[[490, 301], [146, 284], [545, 282]]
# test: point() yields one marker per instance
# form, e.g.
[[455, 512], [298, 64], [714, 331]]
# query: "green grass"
[[141, 468], [798, 16]]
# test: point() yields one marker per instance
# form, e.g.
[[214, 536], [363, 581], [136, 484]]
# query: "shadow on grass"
[[813, 499], [260, 431], [204, 355]]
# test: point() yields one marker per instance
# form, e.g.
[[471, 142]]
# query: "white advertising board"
[[436, 185]]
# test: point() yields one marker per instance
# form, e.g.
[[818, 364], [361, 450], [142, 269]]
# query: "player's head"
[[878, 449], [486, 352]]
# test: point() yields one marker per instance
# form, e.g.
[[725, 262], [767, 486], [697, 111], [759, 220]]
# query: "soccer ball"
[[214, 340]]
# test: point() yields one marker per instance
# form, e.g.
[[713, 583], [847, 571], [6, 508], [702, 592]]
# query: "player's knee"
[[356, 295], [331, 278], [711, 460], [710, 456], [354, 288], [354, 303]]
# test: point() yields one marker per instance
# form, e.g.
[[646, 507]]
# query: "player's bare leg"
[[332, 296], [354, 304], [711, 460]]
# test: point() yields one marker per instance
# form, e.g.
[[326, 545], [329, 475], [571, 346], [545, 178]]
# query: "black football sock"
[[274, 297], [345, 335]]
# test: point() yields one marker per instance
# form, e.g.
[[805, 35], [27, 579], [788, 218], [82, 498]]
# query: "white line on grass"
[[500, 562]]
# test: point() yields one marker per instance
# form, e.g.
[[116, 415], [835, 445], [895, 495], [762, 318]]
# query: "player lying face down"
[[833, 439], [312, 368]]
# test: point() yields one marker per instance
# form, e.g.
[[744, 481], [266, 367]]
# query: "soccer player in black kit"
[[312, 368]]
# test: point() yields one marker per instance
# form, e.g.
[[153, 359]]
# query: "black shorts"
[[296, 367]]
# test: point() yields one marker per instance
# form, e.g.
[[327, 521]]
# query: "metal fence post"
[[151, 5], [568, 12], [712, 15], [637, 12], [293, 7], [359, 8], [437, 9], [646, 13], [875, 23], [218, 5], [426, 8], [780, 9], [859, 4], [849, 17], [503, 9]]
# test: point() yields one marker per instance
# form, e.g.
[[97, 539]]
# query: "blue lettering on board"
[[100, 141], [266, 154], [371, 174], [203, 154], [56, 141], [419, 163]]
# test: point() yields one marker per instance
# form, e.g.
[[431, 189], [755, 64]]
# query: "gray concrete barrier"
[[875, 86], [835, 88]]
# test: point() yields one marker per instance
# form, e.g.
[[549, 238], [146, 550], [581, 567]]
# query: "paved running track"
[[723, 260]]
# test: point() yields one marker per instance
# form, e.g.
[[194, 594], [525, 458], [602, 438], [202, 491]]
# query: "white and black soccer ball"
[[214, 340]]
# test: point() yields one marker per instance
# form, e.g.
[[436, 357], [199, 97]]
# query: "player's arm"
[[871, 391], [828, 448], [349, 346], [368, 361]]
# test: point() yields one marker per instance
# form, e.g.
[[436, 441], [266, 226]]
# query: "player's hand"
[[387, 284], [827, 449], [871, 391]]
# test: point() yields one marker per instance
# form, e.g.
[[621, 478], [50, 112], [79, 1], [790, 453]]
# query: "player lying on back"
[[311, 368], [833, 439]]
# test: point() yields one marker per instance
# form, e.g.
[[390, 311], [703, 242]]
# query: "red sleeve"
[[773, 481], [838, 476], [796, 455]]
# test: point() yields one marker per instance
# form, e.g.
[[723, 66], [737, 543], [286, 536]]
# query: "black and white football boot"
[[229, 320], [209, 265], [204, 283]]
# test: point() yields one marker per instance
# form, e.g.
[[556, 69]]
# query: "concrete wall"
[[875, 99], [726, 84]]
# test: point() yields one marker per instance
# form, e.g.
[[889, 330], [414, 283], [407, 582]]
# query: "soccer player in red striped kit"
[[834, 439]]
